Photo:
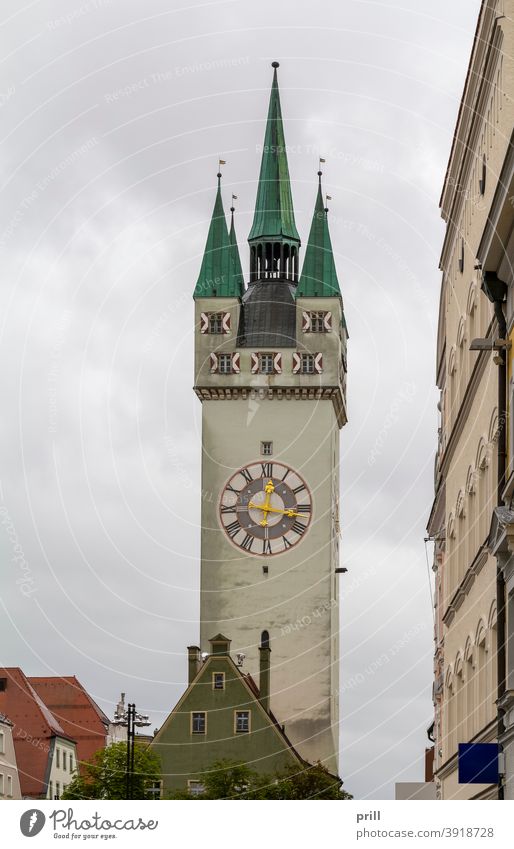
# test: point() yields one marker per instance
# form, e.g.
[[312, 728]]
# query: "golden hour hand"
[[267, 508]]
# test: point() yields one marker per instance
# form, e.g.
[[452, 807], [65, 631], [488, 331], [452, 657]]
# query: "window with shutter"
[[277, 363], [225, 363], [214, 362], [236, 363], [204, 322], [297, 363]]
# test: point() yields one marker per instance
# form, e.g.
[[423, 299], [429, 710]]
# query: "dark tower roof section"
[[268, 316]]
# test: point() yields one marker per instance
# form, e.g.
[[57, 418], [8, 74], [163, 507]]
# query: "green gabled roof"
[[237, 269], [319, 275], [217, 277], [274, 214]]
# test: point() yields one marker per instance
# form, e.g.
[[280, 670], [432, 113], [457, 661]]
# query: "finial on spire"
[[275, 65]]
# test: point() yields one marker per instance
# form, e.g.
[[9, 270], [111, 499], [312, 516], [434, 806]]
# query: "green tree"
[[104, 775], [230, 780]]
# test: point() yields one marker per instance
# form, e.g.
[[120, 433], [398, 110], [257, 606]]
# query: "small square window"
[[242, 722], [218, 680], [225, 364], [307, 364], [216, 322], [196, 788], [266, 364], [198, 722], [266, 449]]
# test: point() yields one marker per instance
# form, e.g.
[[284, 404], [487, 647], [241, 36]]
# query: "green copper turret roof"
[[274, 214], [237, 269], [319, 276], [217, 277]]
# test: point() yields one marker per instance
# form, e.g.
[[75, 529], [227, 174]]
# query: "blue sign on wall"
[[478, 763]]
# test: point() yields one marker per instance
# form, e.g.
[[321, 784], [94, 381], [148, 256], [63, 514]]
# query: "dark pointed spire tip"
[[275, 65]]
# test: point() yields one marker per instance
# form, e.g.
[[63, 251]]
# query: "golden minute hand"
[[268, 489]]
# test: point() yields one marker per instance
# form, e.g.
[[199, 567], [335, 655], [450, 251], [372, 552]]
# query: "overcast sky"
[[113, 115]]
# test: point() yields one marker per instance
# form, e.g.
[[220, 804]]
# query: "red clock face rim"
[[293, 536]]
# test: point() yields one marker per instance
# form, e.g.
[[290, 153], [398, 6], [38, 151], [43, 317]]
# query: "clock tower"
[[270, 371]]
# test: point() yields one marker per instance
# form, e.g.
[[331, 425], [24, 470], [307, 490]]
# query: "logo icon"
[[31, 822]]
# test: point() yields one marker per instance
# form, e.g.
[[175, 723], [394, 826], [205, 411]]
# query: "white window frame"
[[214, 675], [228, 366], [198, 784], [237, 714], [198, 733], [267, 359], [215, 322], [307, 359], [264, 448]]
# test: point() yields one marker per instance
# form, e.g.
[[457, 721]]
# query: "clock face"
[[265, 508]]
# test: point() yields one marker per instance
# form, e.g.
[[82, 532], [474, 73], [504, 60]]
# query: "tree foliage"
[[104, 775], [231, 780]]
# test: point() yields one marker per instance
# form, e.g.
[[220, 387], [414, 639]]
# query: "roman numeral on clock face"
[[246, 474], [303, 508], [266, 546], [267, 470], [247, 542], [299, 488], [227, 509], [286, 542], [298, 528], [232, 529]]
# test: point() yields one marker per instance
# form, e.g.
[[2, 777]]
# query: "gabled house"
[[9, 778], [222, 715], [45, 753], [77, 713]]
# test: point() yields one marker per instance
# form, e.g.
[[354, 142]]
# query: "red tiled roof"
[[34, 728], [76, 711]]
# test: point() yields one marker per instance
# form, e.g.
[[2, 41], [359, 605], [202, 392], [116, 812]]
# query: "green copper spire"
[[319, 276], [274, 214], [237, 270], [217, 277]]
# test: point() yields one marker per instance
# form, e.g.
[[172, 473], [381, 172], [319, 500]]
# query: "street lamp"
[[129, 719]]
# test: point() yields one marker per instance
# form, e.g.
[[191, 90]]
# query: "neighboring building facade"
[[46, 756], [221, 716], [270, 371], [476, 206], [78, 715], [9, 778]]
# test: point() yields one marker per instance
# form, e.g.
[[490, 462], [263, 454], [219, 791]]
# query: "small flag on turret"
[[222, 162], [328, 197], [322, 160], [234, 197]]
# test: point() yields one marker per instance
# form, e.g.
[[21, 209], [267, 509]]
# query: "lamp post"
[[129, 719]]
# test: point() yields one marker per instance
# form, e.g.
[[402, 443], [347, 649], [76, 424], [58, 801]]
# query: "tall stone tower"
[[270, 371]]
